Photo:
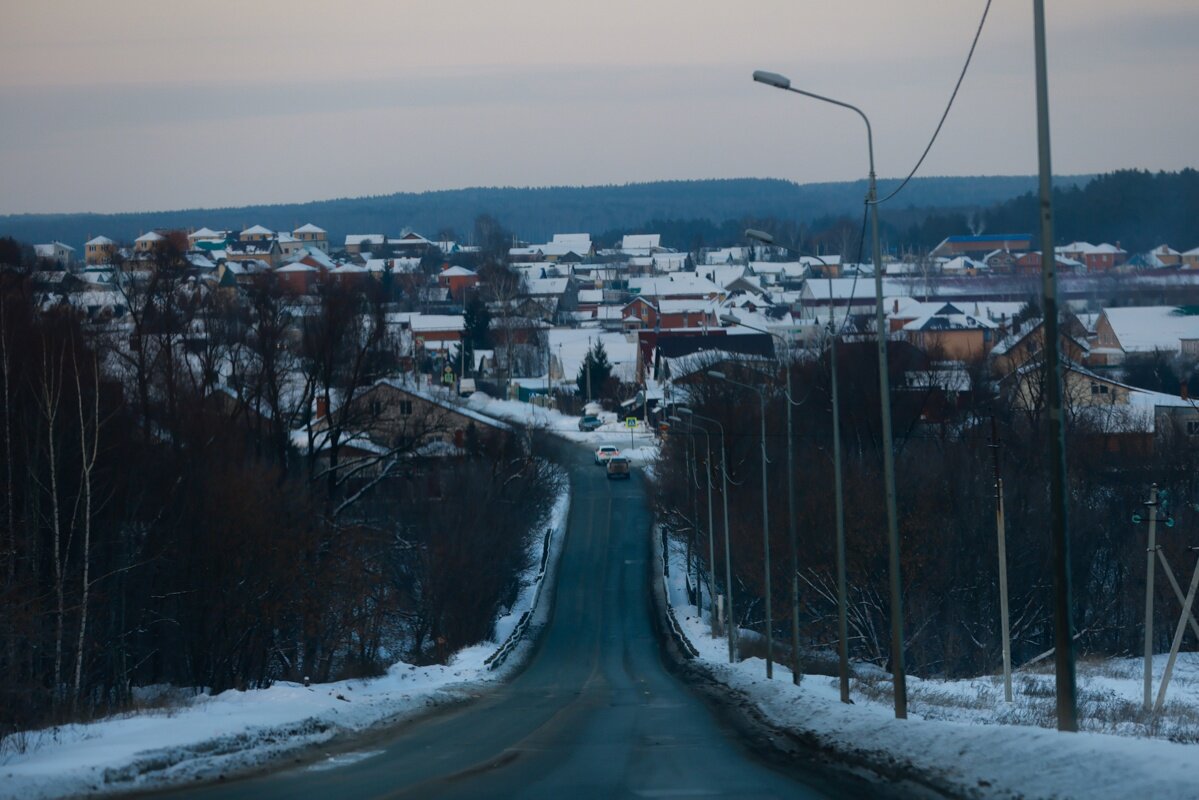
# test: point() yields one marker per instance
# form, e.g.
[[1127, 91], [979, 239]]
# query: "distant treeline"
[[536, 214]]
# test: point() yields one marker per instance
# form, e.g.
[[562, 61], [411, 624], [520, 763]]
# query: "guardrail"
[[672, 622], [497, 659]]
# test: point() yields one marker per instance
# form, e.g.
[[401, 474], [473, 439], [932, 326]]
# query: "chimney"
[[895, 306], [1185, 391], [322, 407]]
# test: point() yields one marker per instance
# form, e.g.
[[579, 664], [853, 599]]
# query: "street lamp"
[[720, 376], [729, 319], [842, 591], [728, 560], [777, 81], [711, 526]]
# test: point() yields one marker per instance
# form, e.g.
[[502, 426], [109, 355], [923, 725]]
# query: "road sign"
[[630, 422]]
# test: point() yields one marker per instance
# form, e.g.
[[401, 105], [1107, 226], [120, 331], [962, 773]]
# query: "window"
[[1098, 388], [376, 408], [1193, 427], [405, 408]]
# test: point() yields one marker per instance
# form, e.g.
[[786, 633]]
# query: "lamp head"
[[759, 236], [729, 319], [715, 374], [772, 79], [683, 410]]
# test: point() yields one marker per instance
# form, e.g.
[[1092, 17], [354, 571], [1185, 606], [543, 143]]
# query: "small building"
[[312, 237], [256, 233], [99, 251], [458, 280], [358, 243], [55, 253], [952, 246]]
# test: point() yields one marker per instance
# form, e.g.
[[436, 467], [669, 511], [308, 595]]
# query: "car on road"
[[605, 453], [618, 467], [589, 423]]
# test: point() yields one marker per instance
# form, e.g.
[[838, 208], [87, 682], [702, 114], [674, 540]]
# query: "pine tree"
[[600, 368]]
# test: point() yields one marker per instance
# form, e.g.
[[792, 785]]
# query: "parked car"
[[605, 453], [589, 423], [618, 467], [466, 387]]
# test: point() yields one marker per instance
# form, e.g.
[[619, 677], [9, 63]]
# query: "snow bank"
[[976, 752], [204, 736]]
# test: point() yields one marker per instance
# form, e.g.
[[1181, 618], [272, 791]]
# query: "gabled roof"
[[206, 233], [458, 272], [152, 236], [309, 228], [257, 230], [99, 241], [1147, 328]]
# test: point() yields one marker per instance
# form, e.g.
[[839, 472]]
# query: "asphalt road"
[[595, 713]]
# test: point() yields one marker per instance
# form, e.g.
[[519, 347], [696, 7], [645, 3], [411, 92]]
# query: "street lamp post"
[[897, 664], [765, 518], [794, 539], [842, 599], [711, 525], [728, 560]]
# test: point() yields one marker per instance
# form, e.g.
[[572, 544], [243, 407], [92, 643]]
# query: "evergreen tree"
[[477, 322], [596, 362]]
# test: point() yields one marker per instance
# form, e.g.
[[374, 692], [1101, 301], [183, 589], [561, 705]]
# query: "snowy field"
[[967, 738], [185, 737]]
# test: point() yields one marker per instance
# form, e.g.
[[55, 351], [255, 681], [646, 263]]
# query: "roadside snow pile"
[[204, 736], [965, 738]]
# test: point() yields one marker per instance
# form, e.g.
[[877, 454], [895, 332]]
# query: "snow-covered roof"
[[353, 239], [206, 233], [640, 241], [949, 322], [421, 323], [674, 285], [1147, 328], [395, 264], [297, 266], [99, 241], [458, 272], [545, 287], [309, 228], [257, 230], [152, 236]]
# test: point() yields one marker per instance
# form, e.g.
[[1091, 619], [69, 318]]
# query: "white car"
[[606, 453]]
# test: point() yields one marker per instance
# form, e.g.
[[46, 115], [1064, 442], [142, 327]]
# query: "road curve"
[[595, 713]]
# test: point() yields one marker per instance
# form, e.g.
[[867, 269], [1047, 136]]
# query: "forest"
[[947, 465], [186, 498]]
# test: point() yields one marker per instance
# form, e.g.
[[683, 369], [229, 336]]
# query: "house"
[[1026, 341], [677, 286], [298, 277], [312, 237], [641, 244], [256, 233], [99, 250], [264, 250], [1162, 256], [1030, 264], [644, 312], [411, 244], [952, 334], [952, 246], [55, 253], [148, 243], [1096, 258], [358, 243], [458, 280], [1190, 258], [400, 414], [206, 236], [1144, 329]]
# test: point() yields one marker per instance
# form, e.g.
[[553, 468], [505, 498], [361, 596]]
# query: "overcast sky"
[[158, 104]]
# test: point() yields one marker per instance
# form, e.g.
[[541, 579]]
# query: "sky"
[[135, 105]]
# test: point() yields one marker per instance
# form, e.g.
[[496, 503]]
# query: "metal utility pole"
[[769, 622], [793, 537], [728, 559], [588, 363], [842, 590], [1149, 575], [1003, 599], [1063, 627]]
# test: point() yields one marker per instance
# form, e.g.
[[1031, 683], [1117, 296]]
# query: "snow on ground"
[[639, 444], [202, 736], [962, 733]]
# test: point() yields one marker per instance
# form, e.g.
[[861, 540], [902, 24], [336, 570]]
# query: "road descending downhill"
[[595, 713]]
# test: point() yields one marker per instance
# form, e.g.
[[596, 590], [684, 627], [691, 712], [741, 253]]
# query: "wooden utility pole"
[[1149, 575]]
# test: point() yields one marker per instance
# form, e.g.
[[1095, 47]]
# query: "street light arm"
[[856, 110]]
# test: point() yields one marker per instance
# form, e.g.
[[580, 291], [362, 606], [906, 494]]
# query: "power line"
[[948, 106]]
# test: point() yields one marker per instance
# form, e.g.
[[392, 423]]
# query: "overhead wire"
[[949, 105]]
